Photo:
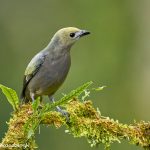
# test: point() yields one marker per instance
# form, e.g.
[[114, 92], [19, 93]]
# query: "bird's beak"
[[82, 33]]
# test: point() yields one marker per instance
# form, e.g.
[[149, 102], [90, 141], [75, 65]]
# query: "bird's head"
[[68, 36]]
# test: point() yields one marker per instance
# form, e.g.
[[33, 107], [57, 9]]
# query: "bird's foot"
[[62, 111]]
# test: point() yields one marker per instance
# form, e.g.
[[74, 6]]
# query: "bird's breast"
[[52, 74]]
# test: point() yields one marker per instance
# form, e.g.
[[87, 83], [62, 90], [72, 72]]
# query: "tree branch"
[[84, 121]]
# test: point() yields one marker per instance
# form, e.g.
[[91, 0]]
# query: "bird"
[[48, 69]]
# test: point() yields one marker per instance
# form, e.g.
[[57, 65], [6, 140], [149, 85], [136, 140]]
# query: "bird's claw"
[[64, 113]]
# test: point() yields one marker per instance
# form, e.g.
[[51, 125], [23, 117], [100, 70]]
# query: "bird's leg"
[[41, 104], [41, 99], [63, 112], [53, 101], [32, 96]]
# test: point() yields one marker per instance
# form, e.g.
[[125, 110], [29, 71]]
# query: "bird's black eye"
[[72, 35]]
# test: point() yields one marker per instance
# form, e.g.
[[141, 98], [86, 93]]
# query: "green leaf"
[[99, 88], [43, 110], [32, 124], [73, 93], [30, 133], [86, 94], [11, 96], [35, 104]]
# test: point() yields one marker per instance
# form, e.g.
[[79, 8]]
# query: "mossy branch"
[[85, 121]]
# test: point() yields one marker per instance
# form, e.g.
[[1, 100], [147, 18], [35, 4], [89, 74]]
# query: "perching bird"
[[48, 69]]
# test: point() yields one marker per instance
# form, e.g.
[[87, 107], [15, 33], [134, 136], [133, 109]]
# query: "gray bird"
[[48, 69]]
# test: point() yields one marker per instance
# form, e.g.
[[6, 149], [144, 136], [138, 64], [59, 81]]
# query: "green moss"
[[84, 121]]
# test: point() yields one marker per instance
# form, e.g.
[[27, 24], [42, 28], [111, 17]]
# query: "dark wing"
[[31, 70]]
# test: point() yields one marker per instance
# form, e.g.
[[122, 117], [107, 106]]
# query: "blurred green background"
[[116, 54]]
